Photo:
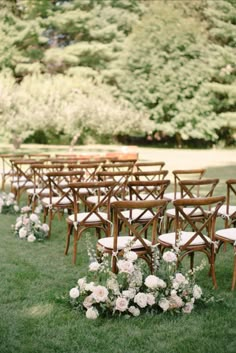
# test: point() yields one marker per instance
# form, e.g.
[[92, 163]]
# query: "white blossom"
[[92, 313], [74, 293]]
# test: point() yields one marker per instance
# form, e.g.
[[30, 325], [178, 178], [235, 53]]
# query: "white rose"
[[89, 286], [121, 304], [31, 238], [18, 224], [45, 227], [131, 256], [169, 256], [150, 299], [179, 278], [34, 218], [113, 285], [197, 292], [175, 301], [88, 301], [22, 233], [92, 313], [129, 293], [188, 308], [141, 299], [154, 282], [100, 294], [94, 266], [134, 311], [164, 304], [125, 266], [82, 283], [74, 293]]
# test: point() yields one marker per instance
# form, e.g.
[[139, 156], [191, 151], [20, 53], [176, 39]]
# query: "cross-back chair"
[[135, 237], [84, 216], [145, 166], [228, 211], [193, 233], [191, 189], [184, 174], [6, 171], [60, 197]]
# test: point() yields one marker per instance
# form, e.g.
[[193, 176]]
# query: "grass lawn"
[[36, 317]]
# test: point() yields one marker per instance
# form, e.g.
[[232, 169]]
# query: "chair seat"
[[136, 213], [169, 238], [93, 218], [187, 210], [227, 234], [56, 200], [94, 199], [223, 211], [123, 241], [25, 184], [37, 191], [171, 195]]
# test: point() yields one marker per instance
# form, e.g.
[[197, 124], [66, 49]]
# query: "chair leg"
[[191, 255], [69, 231], [75, 246], [234, 270]]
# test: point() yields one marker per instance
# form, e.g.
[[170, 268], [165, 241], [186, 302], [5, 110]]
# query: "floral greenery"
[[8, 203], [132, 291], [28, 226]]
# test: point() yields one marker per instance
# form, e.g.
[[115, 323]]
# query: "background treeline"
[[135, 71]]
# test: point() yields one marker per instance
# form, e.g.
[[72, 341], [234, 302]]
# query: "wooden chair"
[[6, 170], [228, 211], [196, 234], [60, 197], [183, 174], [145, 166], [115, 244], [97, 217], [191, 189]]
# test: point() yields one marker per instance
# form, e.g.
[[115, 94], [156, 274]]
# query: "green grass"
[[35, 315]]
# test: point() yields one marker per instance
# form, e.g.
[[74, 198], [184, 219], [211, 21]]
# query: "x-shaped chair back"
[[150, 175], [147, 190], [145, 166], [183, 174], [117, 167], [198, 188], [7, 169], [90, 170], [197, 228], [231, 200], [120, 177]]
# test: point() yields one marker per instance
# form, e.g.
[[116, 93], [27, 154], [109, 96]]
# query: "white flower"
[[179, 278], [129, 293], [34, 218], [164, 304], [89, 286], [25, 209], [18, 224], [31, 238], [121, 304], [74, 293], [82, 283], [45, 227], [150, 299], [130, 256], [197, 292], [16, 208], [169, 256], [22, 233], [188, 308], [88, 301], [38, 209], [92, 313], [141, 299], [94, 266], [100, 294], [154, 282], [11, 195], [134, 311], [137, 279], [125, 266], [175, 301], [113, 285]]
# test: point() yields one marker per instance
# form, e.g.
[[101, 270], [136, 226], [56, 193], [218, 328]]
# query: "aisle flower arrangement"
[[29, 227], [8, 203], [133, 290]]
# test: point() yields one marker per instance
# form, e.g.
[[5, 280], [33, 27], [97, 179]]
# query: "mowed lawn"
[[35, 278]]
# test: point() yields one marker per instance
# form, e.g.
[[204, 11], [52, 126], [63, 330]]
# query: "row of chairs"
[[129, 201]]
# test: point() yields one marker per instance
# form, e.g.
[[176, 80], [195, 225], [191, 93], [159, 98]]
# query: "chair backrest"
[[231, 199], [198, 188], [6, 169], [90, 170], [120, 177], [40, 171], [144, 166], [117, 167], [147, 190], [183, 174], [203, 226], [59, 185], [103, 189], [150, 175], [154, 207]]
